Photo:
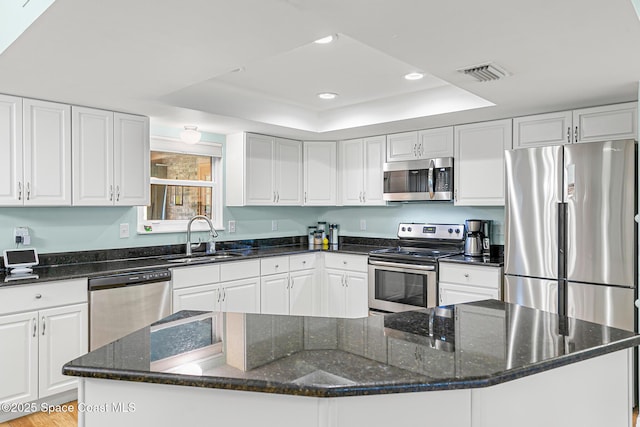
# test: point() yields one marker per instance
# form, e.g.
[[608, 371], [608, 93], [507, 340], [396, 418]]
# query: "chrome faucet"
[[212, 232]]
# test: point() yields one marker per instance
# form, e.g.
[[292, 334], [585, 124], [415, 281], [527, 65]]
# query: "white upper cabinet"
[[11, 175], [361, 175], [609, 122], [263, 170], [288, 172], [425, 144], [542, 129], [402, 147], [479, 168], [131, 161], [46, 154], [320, 173], [110, 158], [92, 153]]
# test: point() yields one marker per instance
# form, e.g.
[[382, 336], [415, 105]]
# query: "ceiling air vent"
[[485, 72]]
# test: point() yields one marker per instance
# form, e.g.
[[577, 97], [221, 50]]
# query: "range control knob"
[[409, 229], [404, 229], [457, 231], [450, 230]]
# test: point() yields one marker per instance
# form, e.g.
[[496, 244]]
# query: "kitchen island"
[[479, 364]]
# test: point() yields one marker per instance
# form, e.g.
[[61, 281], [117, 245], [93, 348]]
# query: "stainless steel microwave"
[[428, 179]]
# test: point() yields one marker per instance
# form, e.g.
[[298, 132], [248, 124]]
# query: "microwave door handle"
[[430, 179]]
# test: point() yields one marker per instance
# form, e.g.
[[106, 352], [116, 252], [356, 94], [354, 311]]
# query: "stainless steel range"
[[406, 277]]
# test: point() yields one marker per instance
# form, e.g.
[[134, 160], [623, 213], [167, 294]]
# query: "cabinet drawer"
[[471, 275], [198, 275], [346, 262], [37, 296], [274, 265], [302, 262], [239, 270]]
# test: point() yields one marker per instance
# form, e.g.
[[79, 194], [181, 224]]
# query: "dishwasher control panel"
[[128, 279]]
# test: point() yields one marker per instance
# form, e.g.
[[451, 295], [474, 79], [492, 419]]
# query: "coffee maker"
[[478, 239]]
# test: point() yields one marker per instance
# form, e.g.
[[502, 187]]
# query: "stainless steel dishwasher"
[[123, 303]]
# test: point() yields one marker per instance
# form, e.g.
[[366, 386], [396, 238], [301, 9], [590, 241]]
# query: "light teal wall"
[[382, 221], [61, 229]]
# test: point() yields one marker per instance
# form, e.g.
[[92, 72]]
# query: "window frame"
[[202, 148]]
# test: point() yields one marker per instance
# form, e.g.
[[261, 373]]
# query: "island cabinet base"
[[592, 393]]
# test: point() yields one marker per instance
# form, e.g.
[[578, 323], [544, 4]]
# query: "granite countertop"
[[96, 268], [453, 347], [495, 261]]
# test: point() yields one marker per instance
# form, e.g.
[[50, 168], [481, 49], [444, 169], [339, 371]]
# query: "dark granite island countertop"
[[463, 346], [464, 353]]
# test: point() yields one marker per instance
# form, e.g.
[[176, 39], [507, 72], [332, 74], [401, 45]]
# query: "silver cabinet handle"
[[415, 150], [19, 190], [28, 191], [111, 193], [219, 294], [38, 296], [364, 197], [43, 325], [117, 193], [274, 197], [305, 197], [291, 278], [224, 295], [575, 134], [455, 195], [35, 327], [568, 134], [278, 201]]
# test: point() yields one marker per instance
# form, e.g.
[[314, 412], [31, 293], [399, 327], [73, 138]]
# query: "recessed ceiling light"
[[327, 95], [327, 39], [414, 76]]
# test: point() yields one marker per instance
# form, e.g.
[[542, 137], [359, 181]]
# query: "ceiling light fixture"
[[414, 76], [190, 135], [327, 95], [327, 40]]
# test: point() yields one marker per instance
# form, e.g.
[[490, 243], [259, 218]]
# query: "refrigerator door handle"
[[562, 259]]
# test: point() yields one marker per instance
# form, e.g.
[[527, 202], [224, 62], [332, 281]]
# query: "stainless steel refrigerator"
[[570, 233]]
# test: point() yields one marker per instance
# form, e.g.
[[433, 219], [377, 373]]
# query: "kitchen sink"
[[200, 258]]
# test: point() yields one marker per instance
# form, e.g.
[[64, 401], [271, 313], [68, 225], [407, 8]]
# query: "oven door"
[[400, 287]]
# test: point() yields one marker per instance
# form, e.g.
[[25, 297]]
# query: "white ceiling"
[[175, 61]]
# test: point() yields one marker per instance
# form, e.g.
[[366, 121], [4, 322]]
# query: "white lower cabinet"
[[200, 288], [460, 283], [289, 285], [346, 285], [39, 342]]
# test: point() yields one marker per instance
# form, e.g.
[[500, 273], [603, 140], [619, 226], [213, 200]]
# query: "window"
[[185, 181]]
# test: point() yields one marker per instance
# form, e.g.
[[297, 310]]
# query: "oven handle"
[[408, 266]]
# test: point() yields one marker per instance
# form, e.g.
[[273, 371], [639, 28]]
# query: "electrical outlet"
[[274, 225], [363, 224], [232, 227], [124, 230], [21, 234]]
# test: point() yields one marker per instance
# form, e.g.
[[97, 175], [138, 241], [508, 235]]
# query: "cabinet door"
[[402, 146], [320, 173], [19, 359], [457, 294], [351, 175], [203, 298], [47, 153], [303, 299], [64, 335], [260, 173], [11, 174], [542, 130], [373, 149], [241, 296], [609, 122], [479, 169], [288, 168], [274, 294], [131, 160], [433, 143], [356, 295], [92, 157], [334, 287]]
